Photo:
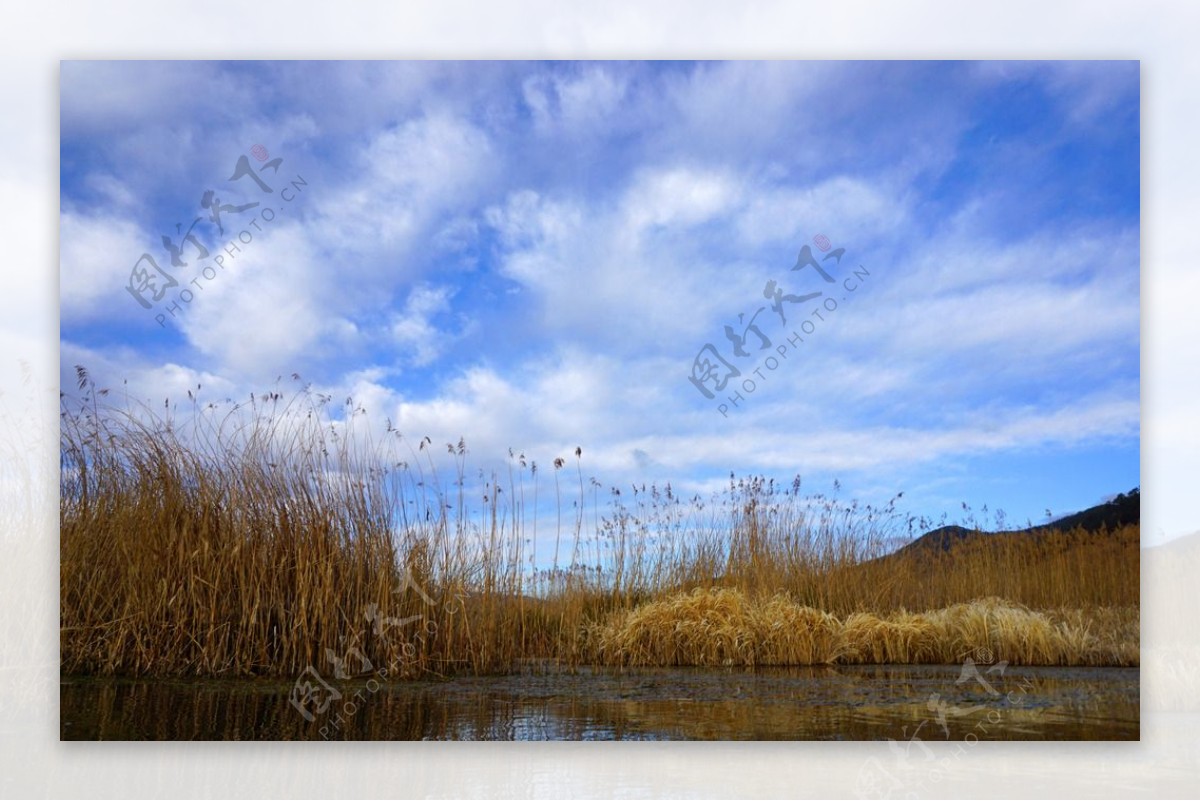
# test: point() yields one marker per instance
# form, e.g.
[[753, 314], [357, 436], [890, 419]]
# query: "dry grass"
[[725, 627], [265, 537]]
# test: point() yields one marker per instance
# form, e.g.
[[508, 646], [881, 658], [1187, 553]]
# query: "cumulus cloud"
[[266, 310], [405, 179], [98, 252], [574, 101], [413, 328], [679, 197], [530, 255]]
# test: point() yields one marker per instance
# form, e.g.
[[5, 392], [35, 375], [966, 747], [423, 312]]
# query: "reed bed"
[[273, 535], [723, 627]]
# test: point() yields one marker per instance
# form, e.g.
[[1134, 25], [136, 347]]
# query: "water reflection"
[[854, 703]]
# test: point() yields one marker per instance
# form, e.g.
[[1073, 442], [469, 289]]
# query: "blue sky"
[[532, 255]]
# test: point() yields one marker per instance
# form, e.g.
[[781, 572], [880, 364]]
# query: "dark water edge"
[[904, 703]]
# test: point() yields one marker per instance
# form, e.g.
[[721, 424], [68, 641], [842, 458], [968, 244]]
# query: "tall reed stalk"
[[270, 536]]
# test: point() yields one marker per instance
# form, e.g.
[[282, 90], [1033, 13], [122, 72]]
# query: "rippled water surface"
[[929, 702]]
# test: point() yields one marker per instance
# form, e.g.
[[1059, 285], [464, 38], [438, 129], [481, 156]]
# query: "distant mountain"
[[940, 539], [1125, 509]]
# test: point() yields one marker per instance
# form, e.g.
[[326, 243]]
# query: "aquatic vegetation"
[[265, 537], [725, 627]]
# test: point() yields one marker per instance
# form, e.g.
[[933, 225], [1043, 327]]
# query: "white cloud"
[[730, 105], [679, 197], [1087, 90], [574, 102], [96, 256], [376, 226], [1029, 302], [676, 252], [763, 443], [845, 208], [272, 310], [134, 379], [597, 282], [430, 158], [116, 193], [413, 328], [480, 406], [128, 95]]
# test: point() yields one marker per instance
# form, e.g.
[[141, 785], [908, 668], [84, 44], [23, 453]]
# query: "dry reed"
[[725, 627], [265, 537]]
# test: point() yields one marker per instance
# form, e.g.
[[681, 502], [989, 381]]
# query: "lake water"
[[900, 702]]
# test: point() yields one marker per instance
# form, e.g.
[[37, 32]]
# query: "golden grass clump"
[[787, 633], [703, 627], [715, 627], [1110, 635], [899, 638], [999, 629], [725, 627]]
